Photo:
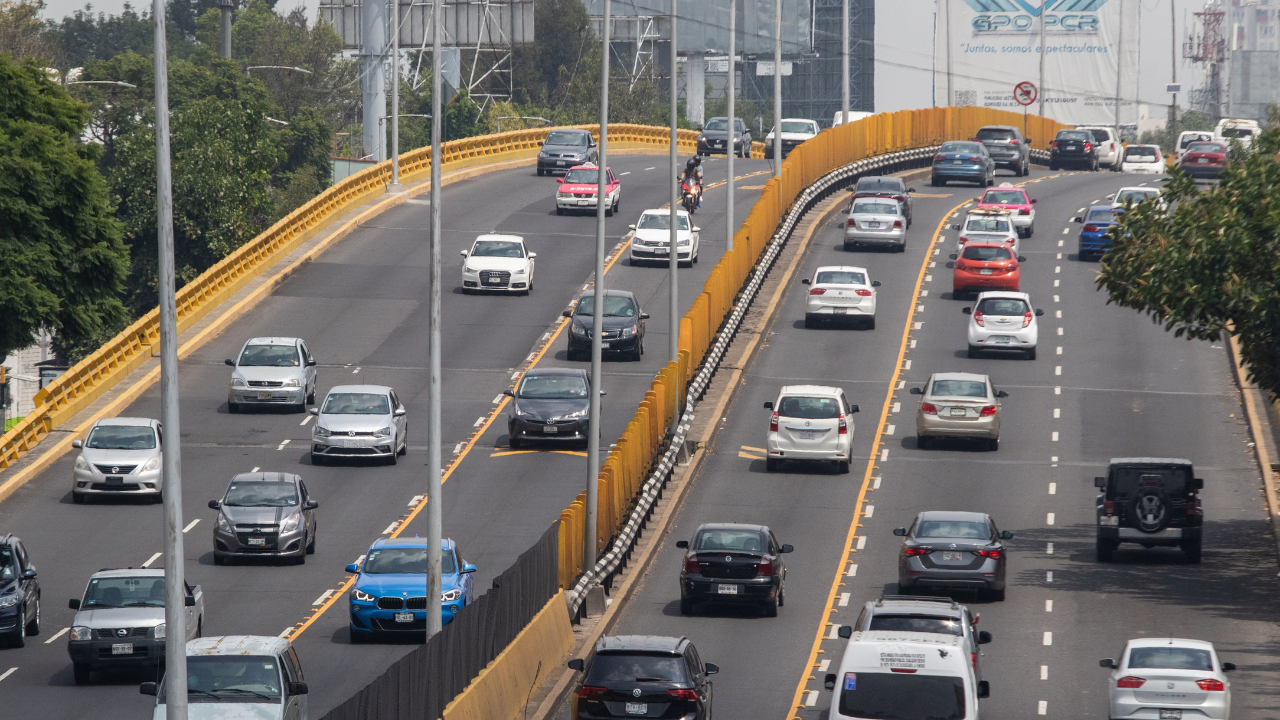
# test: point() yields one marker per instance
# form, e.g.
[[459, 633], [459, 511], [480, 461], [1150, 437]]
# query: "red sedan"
[[578, 190], [1204, 159], [984, 265]]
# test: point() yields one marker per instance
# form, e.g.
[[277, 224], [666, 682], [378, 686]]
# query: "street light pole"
[[673, 257], [434, 515], [844, 63], [1043, 9], [175, 610], [597, 314], [731, 92], [227, 6], [395, 94], [777, 88]]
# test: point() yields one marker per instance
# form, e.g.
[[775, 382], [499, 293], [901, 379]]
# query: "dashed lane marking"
[[1044, 672], [391, 528], [1059, 350], [320, 600], [190, 525], [1066, 231], [1059, 315], [884, 454], [897, 406], [1055, 436], [1048, 519], [306, 419], [497, 399], [457, 448], [822, 666], [57, 635], [852, 571], [835, 632], [152, 559], [7, 673], [255, 469], [877, 484], [1048, 576], [844, 600], [1048, 637], [281, 446], [862, 542], [1048, 606], [1053, 488], [357, 370], [870, 510], [1043, 708], [1057, 413], [1057, 369], [812, 699], [888, 430], [1048, 549], [479, 421]]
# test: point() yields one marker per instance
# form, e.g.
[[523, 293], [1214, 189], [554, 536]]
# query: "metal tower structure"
[[1208, 47]]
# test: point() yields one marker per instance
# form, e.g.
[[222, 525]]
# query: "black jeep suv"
[[1150, 501]]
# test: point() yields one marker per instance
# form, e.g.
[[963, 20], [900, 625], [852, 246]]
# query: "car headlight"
[[152, 464], [469, 269], [451, 595], [322, 432], [80, 632], [684, 241], [577, 329], [574, 415], [291, 383], [290, 523], [223, 524], [9, 600], [522, 271], [361, 596], [160, 631], [238, 382], [384, 432], [81, 463], [628, 332]]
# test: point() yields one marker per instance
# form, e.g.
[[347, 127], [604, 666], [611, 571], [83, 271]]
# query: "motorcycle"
[[689, 192]]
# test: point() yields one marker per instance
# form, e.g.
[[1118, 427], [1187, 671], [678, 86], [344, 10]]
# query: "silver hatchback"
[[358, 421], [265, 514], [272, 371]]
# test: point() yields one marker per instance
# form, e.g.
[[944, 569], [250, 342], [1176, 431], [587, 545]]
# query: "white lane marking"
[[353, 372], [927, 278], [896, 406], [1080, 210], [1044, 672], [306, 420], [391, 528], [320, 600], [1048, 576], [1056, 299], [844, 600], [835, 629], [812, 699], [1059, 256], [1057, 413], [919, 308], [1048, 637], [933, 264], [1059, 243], [1057, 389], [919, 325], [457, 448], [906, 365], [876, 486], [1043, 708], [1048, 606], [255, 469], [822, 666], [651, 169], [1053, 459], [516, 374], [359, 560], [190, 525], [1057, 313], [7, 673], [627, 173], [1055, 436], [902, 384], [936, 251], [1057, 268], [415, 500], [1059, 329], [913, 343], [152, 559], [498, 398], [923, 293], [1065, 231], [853, 570], [1053, 488], [1059, 350], [888, 430], [871, 510], [281, 447], [862, 542], [884, 454], [1048, 519], [479, 422], [1048, 549], [57, 635]]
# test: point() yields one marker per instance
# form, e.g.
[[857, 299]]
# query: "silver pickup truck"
[[120, 621]]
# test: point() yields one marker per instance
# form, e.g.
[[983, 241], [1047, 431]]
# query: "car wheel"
[[973, 352], [359, 638], [871, 324], [1053, 166], [1031, 354], [559, 210], [78, 498], [513, 440], [993, 444], [219, 559], [1191, 553], [847, 247], [608, 211], [311, 396], [392, 460], [1031, 230], [639, 351], [19, 637], [311, 541], [300, 407], [404, 447], [539, 172], [158, 498], [1106, 550], [904, 588], [842, 467], [770, 465], [233, 407], [771, 608], [934, 182], [33, 627], [302, 556], [686, 606], [83, 673], [200, 626]]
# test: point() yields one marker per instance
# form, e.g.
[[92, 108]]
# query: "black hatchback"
[[1075, 148], [733, 562], [643, 676]]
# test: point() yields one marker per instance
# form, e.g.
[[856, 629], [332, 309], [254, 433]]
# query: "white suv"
[[1003, 321], [1110, 149], [810, 422]]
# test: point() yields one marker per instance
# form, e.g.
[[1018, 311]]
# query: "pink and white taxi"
[[1020, 206]]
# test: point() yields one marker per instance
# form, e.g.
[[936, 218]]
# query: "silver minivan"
[[239, 676]]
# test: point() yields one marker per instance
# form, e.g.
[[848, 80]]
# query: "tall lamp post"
[[673, 257], [597, 314], [731, 91], [777, 88], [434, 514]]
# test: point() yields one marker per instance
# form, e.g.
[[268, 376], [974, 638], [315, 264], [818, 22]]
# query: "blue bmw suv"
[[389, 596], [1094, 237]]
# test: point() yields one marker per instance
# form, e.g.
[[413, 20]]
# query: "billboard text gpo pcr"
[[1019, 16]]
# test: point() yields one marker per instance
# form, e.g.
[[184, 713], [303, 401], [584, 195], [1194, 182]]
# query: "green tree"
[[62, 262], [562, 32], [1210, 265], [21, 33]]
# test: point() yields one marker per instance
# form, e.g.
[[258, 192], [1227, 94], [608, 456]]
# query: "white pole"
[[1040, 93], [673, 258], [395, 94], [777, 87], [732, 91], [1120, 50], [951, 91], [597, 313], [434, 498], [844, 64]]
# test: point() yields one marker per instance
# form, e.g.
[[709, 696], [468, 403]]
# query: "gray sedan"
[[359, 421], [550, 404], [876, 221], [953, 550], [272, 371], [566, 148], [265, 514]]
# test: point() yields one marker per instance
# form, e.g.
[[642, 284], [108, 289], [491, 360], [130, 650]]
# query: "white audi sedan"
[[989, 225], [651, 238], [1169, 678], [837, 292], [498, 262], [810, 422], [1003, 321]]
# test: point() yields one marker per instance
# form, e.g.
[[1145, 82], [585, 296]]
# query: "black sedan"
[[623, 325], [19, 593], [732, 562], [714, 137], [550, 404], [643, 676], [1073, 148]]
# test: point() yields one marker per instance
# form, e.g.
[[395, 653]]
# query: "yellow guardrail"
[[79, 386], [627, 466]]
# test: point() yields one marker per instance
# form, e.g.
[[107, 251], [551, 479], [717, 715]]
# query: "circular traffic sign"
[[1025, 93]]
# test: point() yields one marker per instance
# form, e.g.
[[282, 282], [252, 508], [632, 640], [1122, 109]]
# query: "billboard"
[[983, 48]]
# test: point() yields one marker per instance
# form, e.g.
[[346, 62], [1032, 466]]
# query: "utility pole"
[[597, 313], [951, 91], [673, 258], [1040, 94], [777, 88], [844, 64], [1173, 43], [227, 6], [175, 596], [434, 499], [1119, 66], [732, 91], [373, 79], [395, 95]]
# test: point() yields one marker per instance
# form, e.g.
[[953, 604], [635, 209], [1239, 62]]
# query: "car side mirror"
[[353, 568], [539, 143], [1021, 258], [189, 601], [311, 362], [533, 255], [1039, 313], [1099, 482], [1228, 667], [463, 253], [787, 549], [1197, 483], [1002, 394], [311, 505], [711, 668], [468, 568], [875, 283], [954, 256], [77, 444], [956, 226], [230, 362], [967, 311], [577, 664], [567, 313], [508, 392], [768, 405], [911, 190], [28, 574], [1077, 219], [1006, 535], [314, 411], [853, 409], [682, 544], [829, 681], [804, 281], [147, 688], [900, 532], [560, 180], [215, 504], [1029, 141], [631, 227], [298, 688], [1033, 200], [400, 412], [984, 637], [697, 229], [1107, 663], [984, 689], [845, 631], [916, 391], [644, 316], [74, 603]]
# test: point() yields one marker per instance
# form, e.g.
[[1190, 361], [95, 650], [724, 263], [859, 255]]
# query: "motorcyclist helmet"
[[693, 162]]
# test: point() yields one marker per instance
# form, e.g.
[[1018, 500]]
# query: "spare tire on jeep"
[[1150, 509]]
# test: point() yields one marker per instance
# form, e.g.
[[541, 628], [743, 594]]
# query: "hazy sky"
[[904, 46]]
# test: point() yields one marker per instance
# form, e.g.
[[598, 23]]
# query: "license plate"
[[956, 162], [1003, 339], [840, 311], [957, 412], [404, 617], [582, 203], [985, 271], [1170, 714], [560, 163], [264, 394], [1109, 520], [641, 708], [727, 589], [121, 648], [604, 346], [350, 443], [952, 557], [115, 480], [662, 251], [807, 435], [257, 541], [1202, 161], [550, 429], [1073, 147], [873, 225]]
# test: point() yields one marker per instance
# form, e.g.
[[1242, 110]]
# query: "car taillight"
[[928, 408], [1091, 228], [899, 198], [1088, 146], [590, 691], [936, 158], [1211, 685], [863, 292], [1023, 211], [1109, 507], [773, 423], [844, 426], [977, 317], [691, 564], [1027, 318], [915, 551], [1192, 506], [848, 223], [1052, 144], [818, 291], [964, 240], [961, 265], [989, 553], [975, 158], [988, 411], [973, 656], [765, 568], [1011, 142], [683, 694], [897, 225], [1129, 681], [1012, 241]]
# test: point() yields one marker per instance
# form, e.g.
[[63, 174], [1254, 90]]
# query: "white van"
[[240, 676], [1242, 130], [1186, 137], [892, 674], [854, 116]]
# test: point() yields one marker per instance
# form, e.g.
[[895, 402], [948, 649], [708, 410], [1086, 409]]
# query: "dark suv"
[[1007, 147], [1150, 501], [885, 187], [733, 562], [1073, 148], [19, 593], [643, 676]]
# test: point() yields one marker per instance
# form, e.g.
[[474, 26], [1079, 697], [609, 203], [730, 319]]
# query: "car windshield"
[[840, 277], [986, 253], [1101, 215], [732, 540], [1003, 306], [1169, 480], [894, 696], [614, 306], [1206, 147], [965, 529], [809, 408], [498, 248], [987, 224], [996, 134], [1142, 154], [917, 623], [117, 592], [1135, 196], [1004, 197], [7, 572], [653, 221], [960, 147], [874, 208], [553, 387], [1170, 658], [269, 356], [959, 388], [717, 124], [122, 437], [635, 667], [356, 404], [561, 137], [797, 127], [1078, 136], [582, 177], [405, 561], [231, 678], [1240, 132], [261, 494]]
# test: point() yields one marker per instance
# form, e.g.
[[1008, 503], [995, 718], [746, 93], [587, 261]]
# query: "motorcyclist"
[[693, 172]]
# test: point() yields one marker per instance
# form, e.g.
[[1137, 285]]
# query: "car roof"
[[917, 604], [997, 127], [798, 120], [413, 542], [840, 268], [265, 476], [1004, 295], [808, 390], [1149, 461], [237, 645], [960, 515], [131, 421], [128, 572], [1169, 642], [1140, 188], [732, 526], [959, 376], [377, 389], [610, 292], [272, 341], [1006, 186], [504, 238], [665, 211], [1100, 206], [645, 643], [569, 130], [1142, 146], [541, 371]]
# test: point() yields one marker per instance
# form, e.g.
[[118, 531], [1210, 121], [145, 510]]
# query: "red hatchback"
[[982, 266], [1204, 159]]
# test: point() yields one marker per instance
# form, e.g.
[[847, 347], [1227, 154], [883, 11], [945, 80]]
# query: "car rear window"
[[996, 134], [880, 184], [966, 529], [1242, 132], [1079, 135], [959, 388], [902, 696], [1170, 658], [875, 208], [809, 408], [841, 277], [635, 667], [1101, 215], [986, 254], [987, 224], [961, 147], [1128, 480], [1144, 153], [1207, 147], [1135, 196], [1100, 135], [732, 540], [917, 623], [1003, 306], [1005, 197], [1190, 139]]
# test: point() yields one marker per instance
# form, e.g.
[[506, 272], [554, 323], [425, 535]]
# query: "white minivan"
[[1242, 130], [894, 674], [239, 676], [810, 422]]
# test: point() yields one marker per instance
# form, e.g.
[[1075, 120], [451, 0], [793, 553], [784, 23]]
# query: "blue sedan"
[[961, 160], [1094, 237], [389, 596]]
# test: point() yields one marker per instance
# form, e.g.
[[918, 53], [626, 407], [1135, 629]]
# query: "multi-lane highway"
[[1107, 383], [362, 310]]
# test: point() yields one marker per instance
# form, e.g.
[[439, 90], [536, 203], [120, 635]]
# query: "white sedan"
[[1169, 678], [1003, 321], [810, 422], [651, 238], [498, 262], [838, 292], [990, 225]]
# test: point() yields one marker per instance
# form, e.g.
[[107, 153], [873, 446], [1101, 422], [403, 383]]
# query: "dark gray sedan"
[[945, 549], [714, 137], [551, 404], [265, 514], [567, 148]]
